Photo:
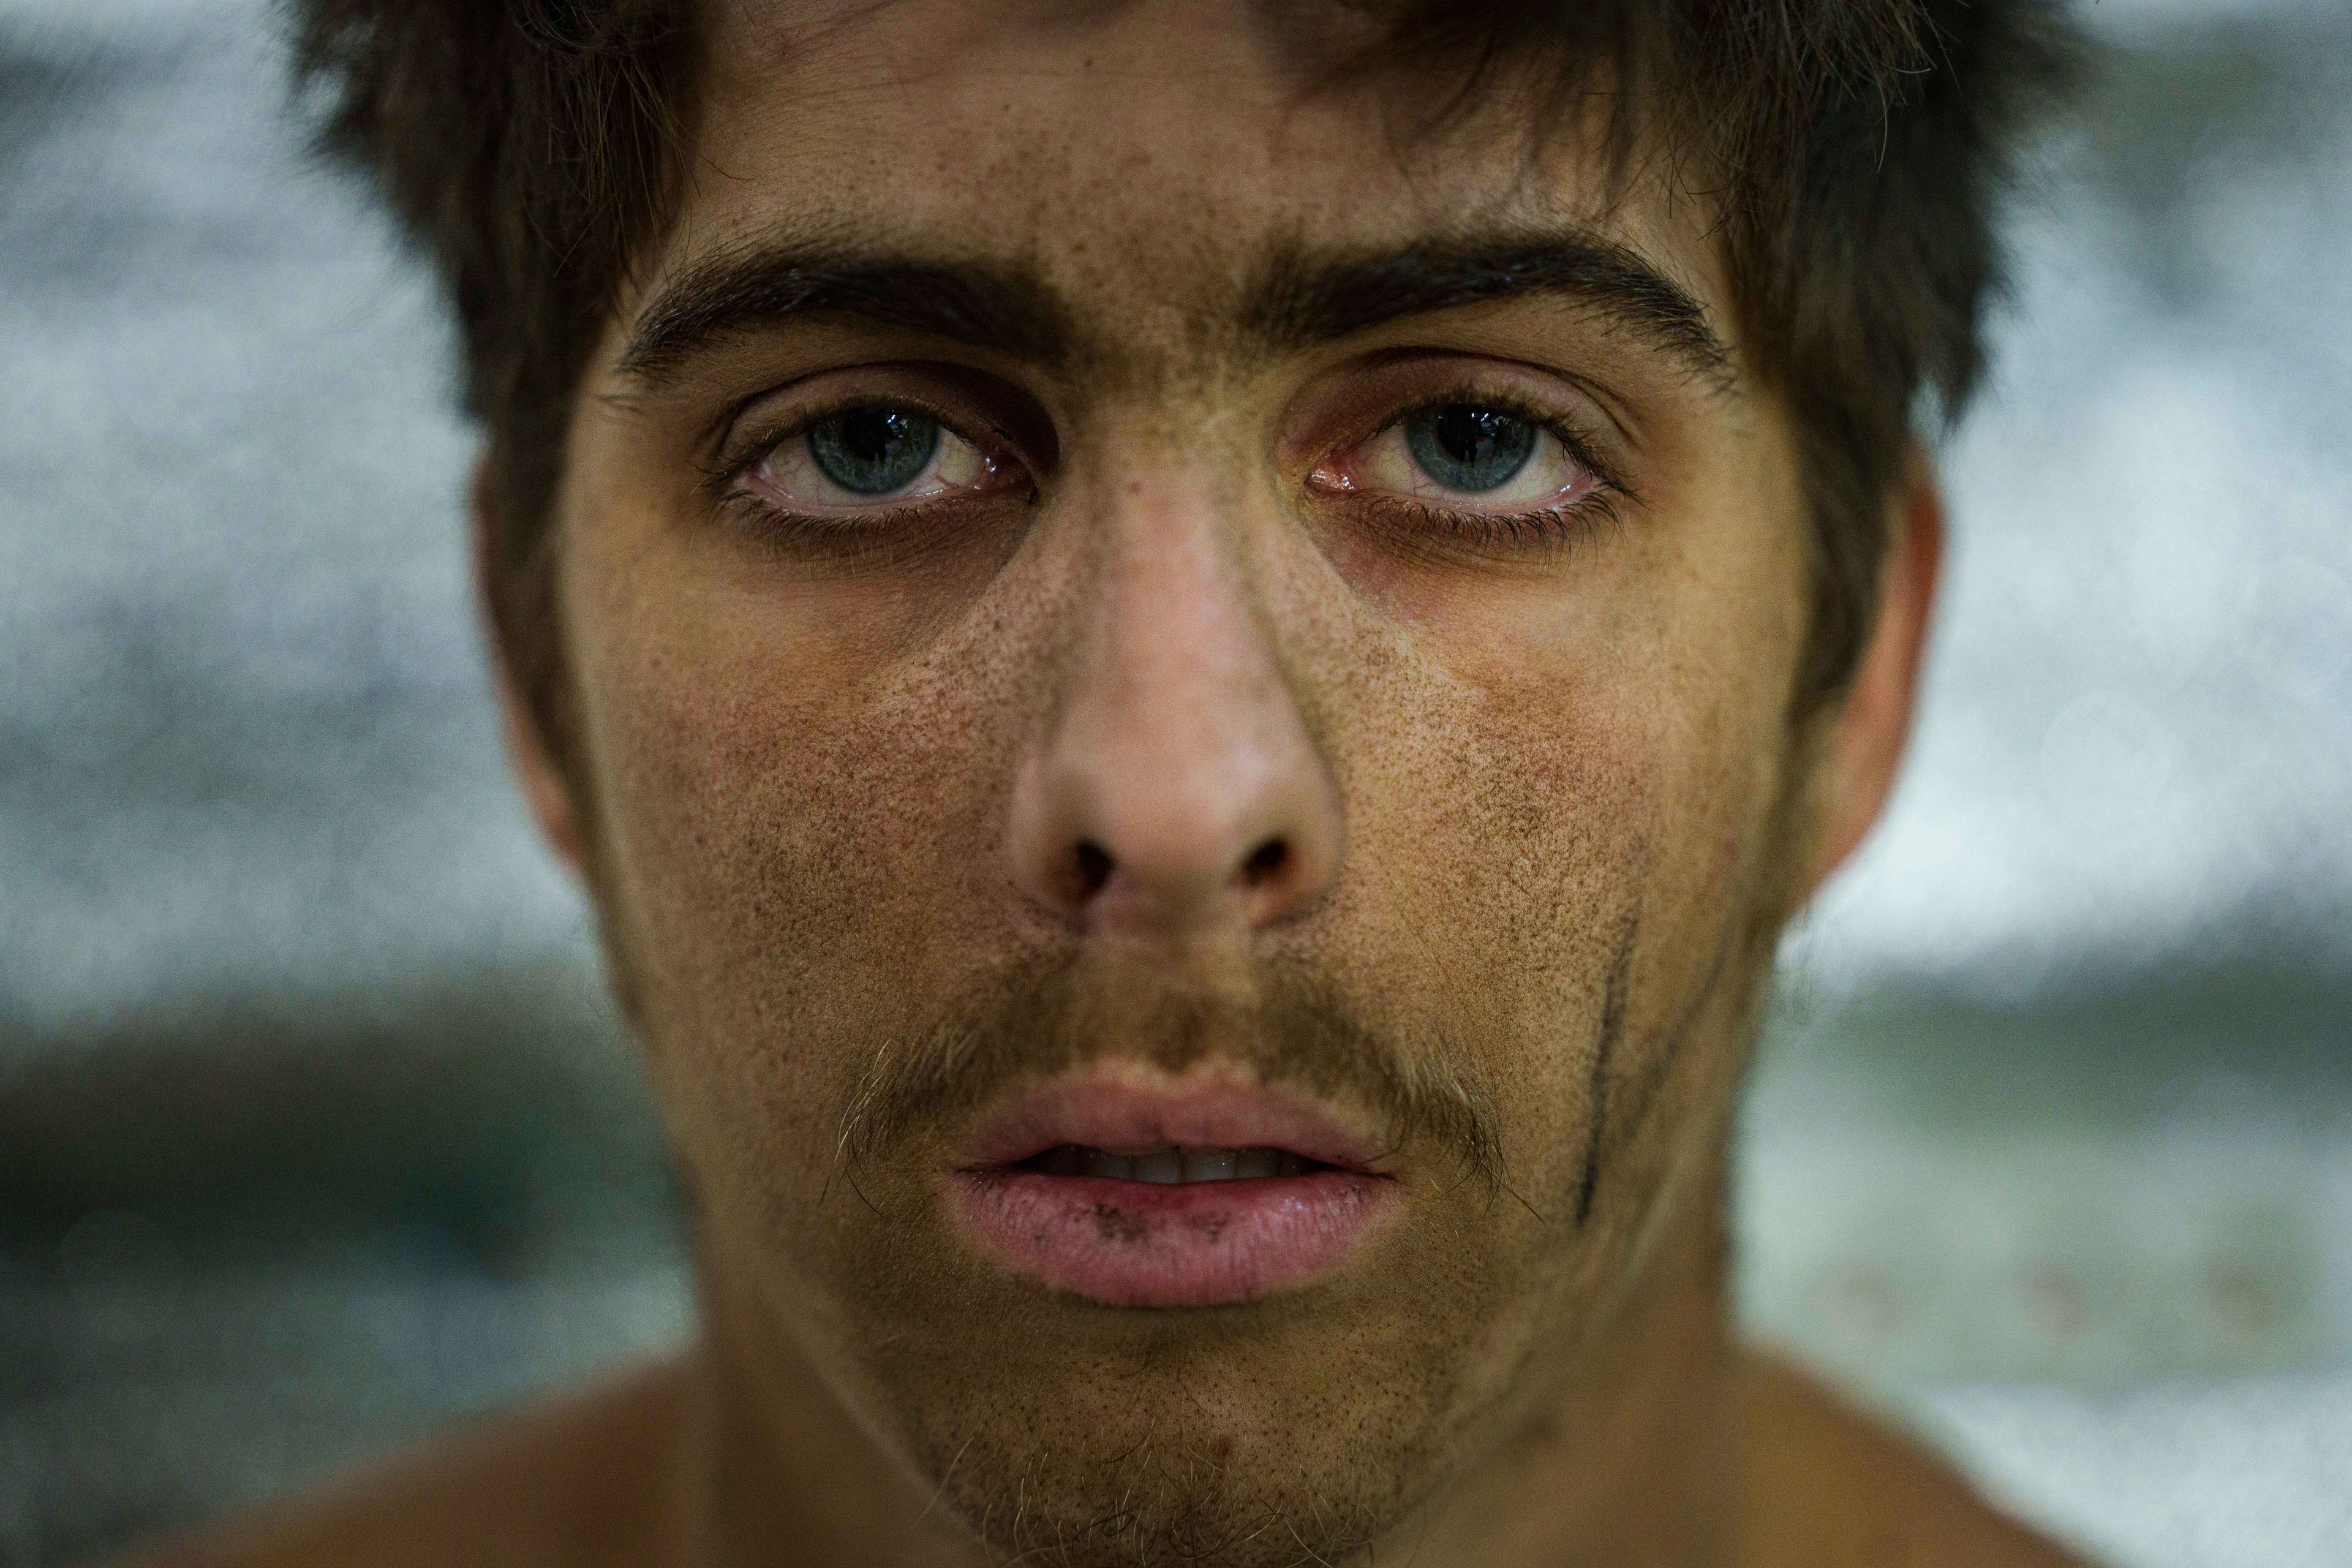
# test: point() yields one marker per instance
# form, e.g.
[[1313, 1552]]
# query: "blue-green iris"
[[871, 451], [1469, 446]]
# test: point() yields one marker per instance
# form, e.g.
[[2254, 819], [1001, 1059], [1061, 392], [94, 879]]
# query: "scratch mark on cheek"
[[1604, 1048], [1669, 1046]]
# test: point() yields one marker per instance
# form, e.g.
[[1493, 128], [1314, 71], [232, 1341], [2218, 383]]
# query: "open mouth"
[[1169, 1194], [1171, 1166]]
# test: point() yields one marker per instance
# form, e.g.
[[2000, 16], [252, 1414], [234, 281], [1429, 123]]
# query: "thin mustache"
[[1051, 1015]]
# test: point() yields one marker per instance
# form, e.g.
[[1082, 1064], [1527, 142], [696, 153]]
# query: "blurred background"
[[316, 1133]]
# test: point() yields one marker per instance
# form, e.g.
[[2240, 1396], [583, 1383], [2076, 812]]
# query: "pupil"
[[871, 451], [1469, 446], [869, 436]]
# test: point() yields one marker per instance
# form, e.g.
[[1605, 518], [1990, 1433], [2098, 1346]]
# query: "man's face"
[[1132, 618]]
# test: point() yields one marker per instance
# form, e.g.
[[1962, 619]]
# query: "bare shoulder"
[[1829, 1487], [581, 1482]]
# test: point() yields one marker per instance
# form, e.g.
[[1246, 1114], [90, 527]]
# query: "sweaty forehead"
[[1146, 156]]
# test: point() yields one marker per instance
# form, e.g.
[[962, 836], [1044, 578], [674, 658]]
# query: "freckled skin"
[[1544, 811]]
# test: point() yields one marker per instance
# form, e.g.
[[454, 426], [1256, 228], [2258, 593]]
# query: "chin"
[[1276, 1432], [1137, 1476]]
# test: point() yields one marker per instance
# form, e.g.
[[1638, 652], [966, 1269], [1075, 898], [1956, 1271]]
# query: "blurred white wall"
[[2135, 747]]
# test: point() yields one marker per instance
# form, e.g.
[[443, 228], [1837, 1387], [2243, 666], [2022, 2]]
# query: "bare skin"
[[1186, 726], [601, 1481]]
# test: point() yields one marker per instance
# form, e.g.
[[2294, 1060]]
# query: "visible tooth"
[[1210, 1165], [1102, 1162], [1289, 1165], [1060, 1161], [1250, 1164], [1165, 1166]]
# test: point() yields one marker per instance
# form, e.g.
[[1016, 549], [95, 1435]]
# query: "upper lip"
[[1109, 1111]]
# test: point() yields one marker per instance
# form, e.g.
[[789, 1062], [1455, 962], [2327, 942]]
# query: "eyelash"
[[1549, 529], [722, 485], [1546, 528]]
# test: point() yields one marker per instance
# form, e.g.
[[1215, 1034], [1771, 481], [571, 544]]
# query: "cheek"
[[797, 852], [1531, 806], [1499, 839]]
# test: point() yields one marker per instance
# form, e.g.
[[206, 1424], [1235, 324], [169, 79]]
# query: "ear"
[[1864, 747], [545, 790]]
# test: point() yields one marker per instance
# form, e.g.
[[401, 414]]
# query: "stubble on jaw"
[[1121, 1448], [1117, 1462]]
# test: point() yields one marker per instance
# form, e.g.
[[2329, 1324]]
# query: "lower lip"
[[1192, 1243]]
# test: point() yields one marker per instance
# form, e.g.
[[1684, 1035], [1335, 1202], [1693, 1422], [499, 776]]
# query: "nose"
[[1178, 788]]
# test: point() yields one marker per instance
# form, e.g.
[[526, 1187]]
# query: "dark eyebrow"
[[743, 291], [1301, 298], [1305, 299]]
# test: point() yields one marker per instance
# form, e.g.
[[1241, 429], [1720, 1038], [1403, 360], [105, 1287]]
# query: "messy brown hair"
[[1854, 150]]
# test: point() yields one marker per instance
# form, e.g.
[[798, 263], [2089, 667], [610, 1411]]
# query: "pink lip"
[[1141, 1244]]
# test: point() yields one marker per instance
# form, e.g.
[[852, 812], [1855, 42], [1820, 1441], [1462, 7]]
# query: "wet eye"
[[847, 461], [873, 451], [1473, 457], [1468, 447]]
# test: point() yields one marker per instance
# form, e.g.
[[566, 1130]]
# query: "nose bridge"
[[1179, 784], [1176, 652]]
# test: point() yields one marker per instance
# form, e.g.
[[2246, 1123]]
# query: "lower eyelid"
[[995, 479], [1420, 524]]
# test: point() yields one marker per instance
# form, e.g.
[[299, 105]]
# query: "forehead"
[[1142, 154]]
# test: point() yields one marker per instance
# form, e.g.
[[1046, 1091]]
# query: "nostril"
[[1266, 863], [1093, 863]]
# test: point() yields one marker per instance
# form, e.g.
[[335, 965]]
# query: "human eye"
[[1480, 468], [869, 457]]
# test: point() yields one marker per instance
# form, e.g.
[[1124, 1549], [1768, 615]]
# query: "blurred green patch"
[[503, 1111]]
